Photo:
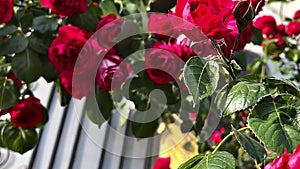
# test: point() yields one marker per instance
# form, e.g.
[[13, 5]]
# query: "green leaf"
[[254, 148], [219, 160], [27, 66], [243, 95], [7, 30], [44, 24], [276, 122], [39, 45], [26, 21], [9, 94], [101, 112], [201, 77], [18, 139], [64, 95], [283, 85], [257, 37], [144, 130], [191, 162], [15, 44], [108, 7], [88, 20]]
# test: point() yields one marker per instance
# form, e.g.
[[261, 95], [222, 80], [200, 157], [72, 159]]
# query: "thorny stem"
[[227, 137], [223, 59], [235, 46]]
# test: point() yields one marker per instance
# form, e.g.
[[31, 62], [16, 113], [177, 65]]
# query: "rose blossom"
[[293, 28], [63, 53], [286, 160], [216, 137], [110, 27], [266, 24], [6, 10], [170, 58], [27, 113], [212, 16], [112, 73], [297, 15], [65, 8], [162, 163]]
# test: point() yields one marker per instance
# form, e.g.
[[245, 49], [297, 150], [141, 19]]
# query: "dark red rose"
[[212, 16], [64, 52], [164, 62], [6, 10], [110, 27], [112, 73], [297, 15], [293, 28], [280, 162], [294, 161], [281, 29], [162, 163], [27, 113], [17, 81], [65, 49], [65, 8], [266, 24], [216, 137]]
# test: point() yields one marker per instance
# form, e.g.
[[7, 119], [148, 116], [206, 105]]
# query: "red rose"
[[6, 10], [110, 27], [162, 163], [286, 161], [161, 66], [281, 30], [27, 113], [266, 24], [294, 161], [63, 54], [65, 8], [297, 15], [293, 28], [212, 16], [112, 73], [257, 5], [216, 137]]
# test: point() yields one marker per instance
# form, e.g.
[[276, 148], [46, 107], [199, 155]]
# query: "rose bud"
[[266, 24], [293, 28], [27, 113], [6, 10], [244, 14], [297, 15]]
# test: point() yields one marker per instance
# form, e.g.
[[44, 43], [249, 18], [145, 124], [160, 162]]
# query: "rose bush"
[[66, 8]]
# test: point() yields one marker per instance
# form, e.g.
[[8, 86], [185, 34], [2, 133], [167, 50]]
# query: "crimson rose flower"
[[212, 16], [27, 113], [63, 54], [65, 8], [6, 10], [216, 137], [293, 28], [266, 24], [111, 28], [297, 15], [286, 160], [170, 64], [112, 73], [162, 163]]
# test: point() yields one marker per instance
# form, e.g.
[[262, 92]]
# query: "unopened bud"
[[244, 14]]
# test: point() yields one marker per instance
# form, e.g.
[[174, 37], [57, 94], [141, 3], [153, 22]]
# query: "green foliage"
[[276, 122], [17, 139], [9, 94], [253, 147], [201, 77], [15, 44]]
